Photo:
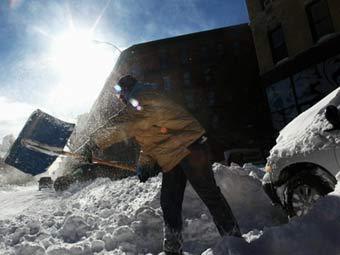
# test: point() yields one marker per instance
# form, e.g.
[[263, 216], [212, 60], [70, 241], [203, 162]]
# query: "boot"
[[236, 232], [173, 241], [230, 231]]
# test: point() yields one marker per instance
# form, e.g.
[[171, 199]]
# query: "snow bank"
[[316, 233], [8, 174], [125, 216], [306, 132], [243, 189], [12, 176]]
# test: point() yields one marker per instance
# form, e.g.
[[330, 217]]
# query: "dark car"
[[45, 183]]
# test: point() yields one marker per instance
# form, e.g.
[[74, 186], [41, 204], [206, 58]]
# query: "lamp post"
[[108, 43]]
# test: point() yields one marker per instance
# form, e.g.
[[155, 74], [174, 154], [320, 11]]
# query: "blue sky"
[[29, 30]]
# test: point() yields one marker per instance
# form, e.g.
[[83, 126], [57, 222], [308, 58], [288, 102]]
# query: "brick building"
[[214, 74], [297, 44]]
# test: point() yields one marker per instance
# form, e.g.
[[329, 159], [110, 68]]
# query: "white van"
[[306, 158]]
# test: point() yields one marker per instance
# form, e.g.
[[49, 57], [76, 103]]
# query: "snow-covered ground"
[[124, 217], [117, 217], [314, 234], [12, 176]]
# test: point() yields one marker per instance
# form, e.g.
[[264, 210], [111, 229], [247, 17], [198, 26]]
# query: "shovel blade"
[[43, 128]]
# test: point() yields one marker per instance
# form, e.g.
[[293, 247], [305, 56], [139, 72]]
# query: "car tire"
[[301, 194]]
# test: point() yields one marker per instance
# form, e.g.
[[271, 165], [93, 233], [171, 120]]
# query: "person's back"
[[170, 125]]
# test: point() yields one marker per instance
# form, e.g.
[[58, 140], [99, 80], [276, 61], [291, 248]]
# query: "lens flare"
[[81, 65], [118, 88]]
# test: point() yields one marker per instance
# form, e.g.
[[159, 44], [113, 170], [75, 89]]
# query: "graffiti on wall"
[[315, 82], [288, 97]]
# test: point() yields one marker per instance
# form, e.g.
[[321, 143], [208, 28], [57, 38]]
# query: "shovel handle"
[[119, 165], [95, 160], [55, 151]]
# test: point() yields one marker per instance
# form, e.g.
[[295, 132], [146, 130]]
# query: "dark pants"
[[196, 168]]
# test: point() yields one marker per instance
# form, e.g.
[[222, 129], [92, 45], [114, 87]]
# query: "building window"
[[187, 79], [319, 19], [281, 103], [280, 95], [278, 44], [167, 83], [310, 85], [204, 52], [184, 56], [163, 58]]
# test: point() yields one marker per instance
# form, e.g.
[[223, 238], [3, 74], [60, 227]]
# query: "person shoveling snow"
[[173, 139]]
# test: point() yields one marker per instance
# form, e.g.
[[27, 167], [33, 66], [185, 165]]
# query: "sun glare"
[[72, 51], [82, 67]]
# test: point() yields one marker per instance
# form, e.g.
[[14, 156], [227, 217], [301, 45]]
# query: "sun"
[[81, 65], [72, 51]]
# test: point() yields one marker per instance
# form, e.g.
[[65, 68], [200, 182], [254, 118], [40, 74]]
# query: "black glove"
[[144, 172], [88, 150], [333, 117]]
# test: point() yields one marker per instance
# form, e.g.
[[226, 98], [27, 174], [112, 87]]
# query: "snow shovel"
[[43, 128], [41, 141], [56, 151]]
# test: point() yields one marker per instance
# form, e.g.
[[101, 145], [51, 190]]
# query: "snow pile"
[[11, 176], [6, 144], [125, 216], [93, 218], [316, 233], [306, 132], [243, 190], [15, 199]]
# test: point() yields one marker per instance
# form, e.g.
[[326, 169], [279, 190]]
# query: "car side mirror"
[[333, 117]]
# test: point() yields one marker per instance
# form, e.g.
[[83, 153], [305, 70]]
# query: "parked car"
[[45, 183], [242, 156], [303, 164]]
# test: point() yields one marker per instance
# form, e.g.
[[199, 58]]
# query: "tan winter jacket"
[[162, 128]]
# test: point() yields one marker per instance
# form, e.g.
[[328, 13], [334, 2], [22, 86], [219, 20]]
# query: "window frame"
[[313, 23], [276, 51], [163, 58]]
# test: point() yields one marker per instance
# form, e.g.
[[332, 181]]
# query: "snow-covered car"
[[306, 158]]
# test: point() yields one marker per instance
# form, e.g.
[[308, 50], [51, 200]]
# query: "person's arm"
[[122, 126]]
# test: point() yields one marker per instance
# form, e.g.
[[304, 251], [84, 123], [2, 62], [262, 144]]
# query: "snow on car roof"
[[306, 132]]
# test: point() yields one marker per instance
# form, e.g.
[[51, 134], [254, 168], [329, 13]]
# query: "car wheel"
[[302, 193]]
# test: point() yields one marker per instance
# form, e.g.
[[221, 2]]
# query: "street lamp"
[[108, 43]]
